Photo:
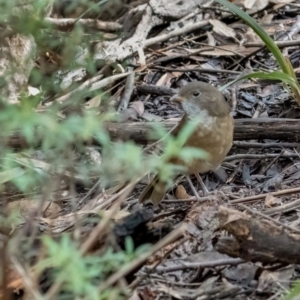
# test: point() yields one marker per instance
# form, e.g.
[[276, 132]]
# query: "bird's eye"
[[196, 94]]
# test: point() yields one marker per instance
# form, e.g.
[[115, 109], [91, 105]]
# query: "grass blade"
[[260, 32]]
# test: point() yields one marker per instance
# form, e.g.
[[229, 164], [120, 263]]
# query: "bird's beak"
[[177, 99]]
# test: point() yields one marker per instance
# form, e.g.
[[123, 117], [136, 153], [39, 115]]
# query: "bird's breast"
[[215, 136]]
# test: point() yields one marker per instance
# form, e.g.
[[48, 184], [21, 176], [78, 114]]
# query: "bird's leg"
[[193, 188], [203, 187]]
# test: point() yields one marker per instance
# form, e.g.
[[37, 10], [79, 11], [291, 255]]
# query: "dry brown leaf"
[[177, 74], [165, 80], [181, 193], [270, 200], [161, 81], [222, 29], [138, 106], [94, 102]]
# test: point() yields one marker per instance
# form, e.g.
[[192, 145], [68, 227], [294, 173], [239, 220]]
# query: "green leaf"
[[8, 175], [190, 153], [186, 131], [295, 88], [293, 293], [129, 245]]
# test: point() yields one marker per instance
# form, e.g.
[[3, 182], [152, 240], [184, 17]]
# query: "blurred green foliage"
[[56, 136], [81, 275]]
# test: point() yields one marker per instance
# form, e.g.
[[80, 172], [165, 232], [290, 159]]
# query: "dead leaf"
[[177, 74], [138, 106], [222, 29], [181, 193], [256, 5], [94, 102], [270, 200], [165, 80]]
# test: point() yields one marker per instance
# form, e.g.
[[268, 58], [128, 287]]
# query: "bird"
[[205, 104]]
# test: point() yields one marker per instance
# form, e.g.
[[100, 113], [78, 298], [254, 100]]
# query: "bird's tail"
[[154, 191]]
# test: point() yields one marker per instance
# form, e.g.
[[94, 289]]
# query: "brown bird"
[[214, 133]]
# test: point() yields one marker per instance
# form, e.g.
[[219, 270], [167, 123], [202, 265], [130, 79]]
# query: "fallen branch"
[[248, 145], [263, 196], [245, 129], [256, 239], [199, 70], [260, 156]]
